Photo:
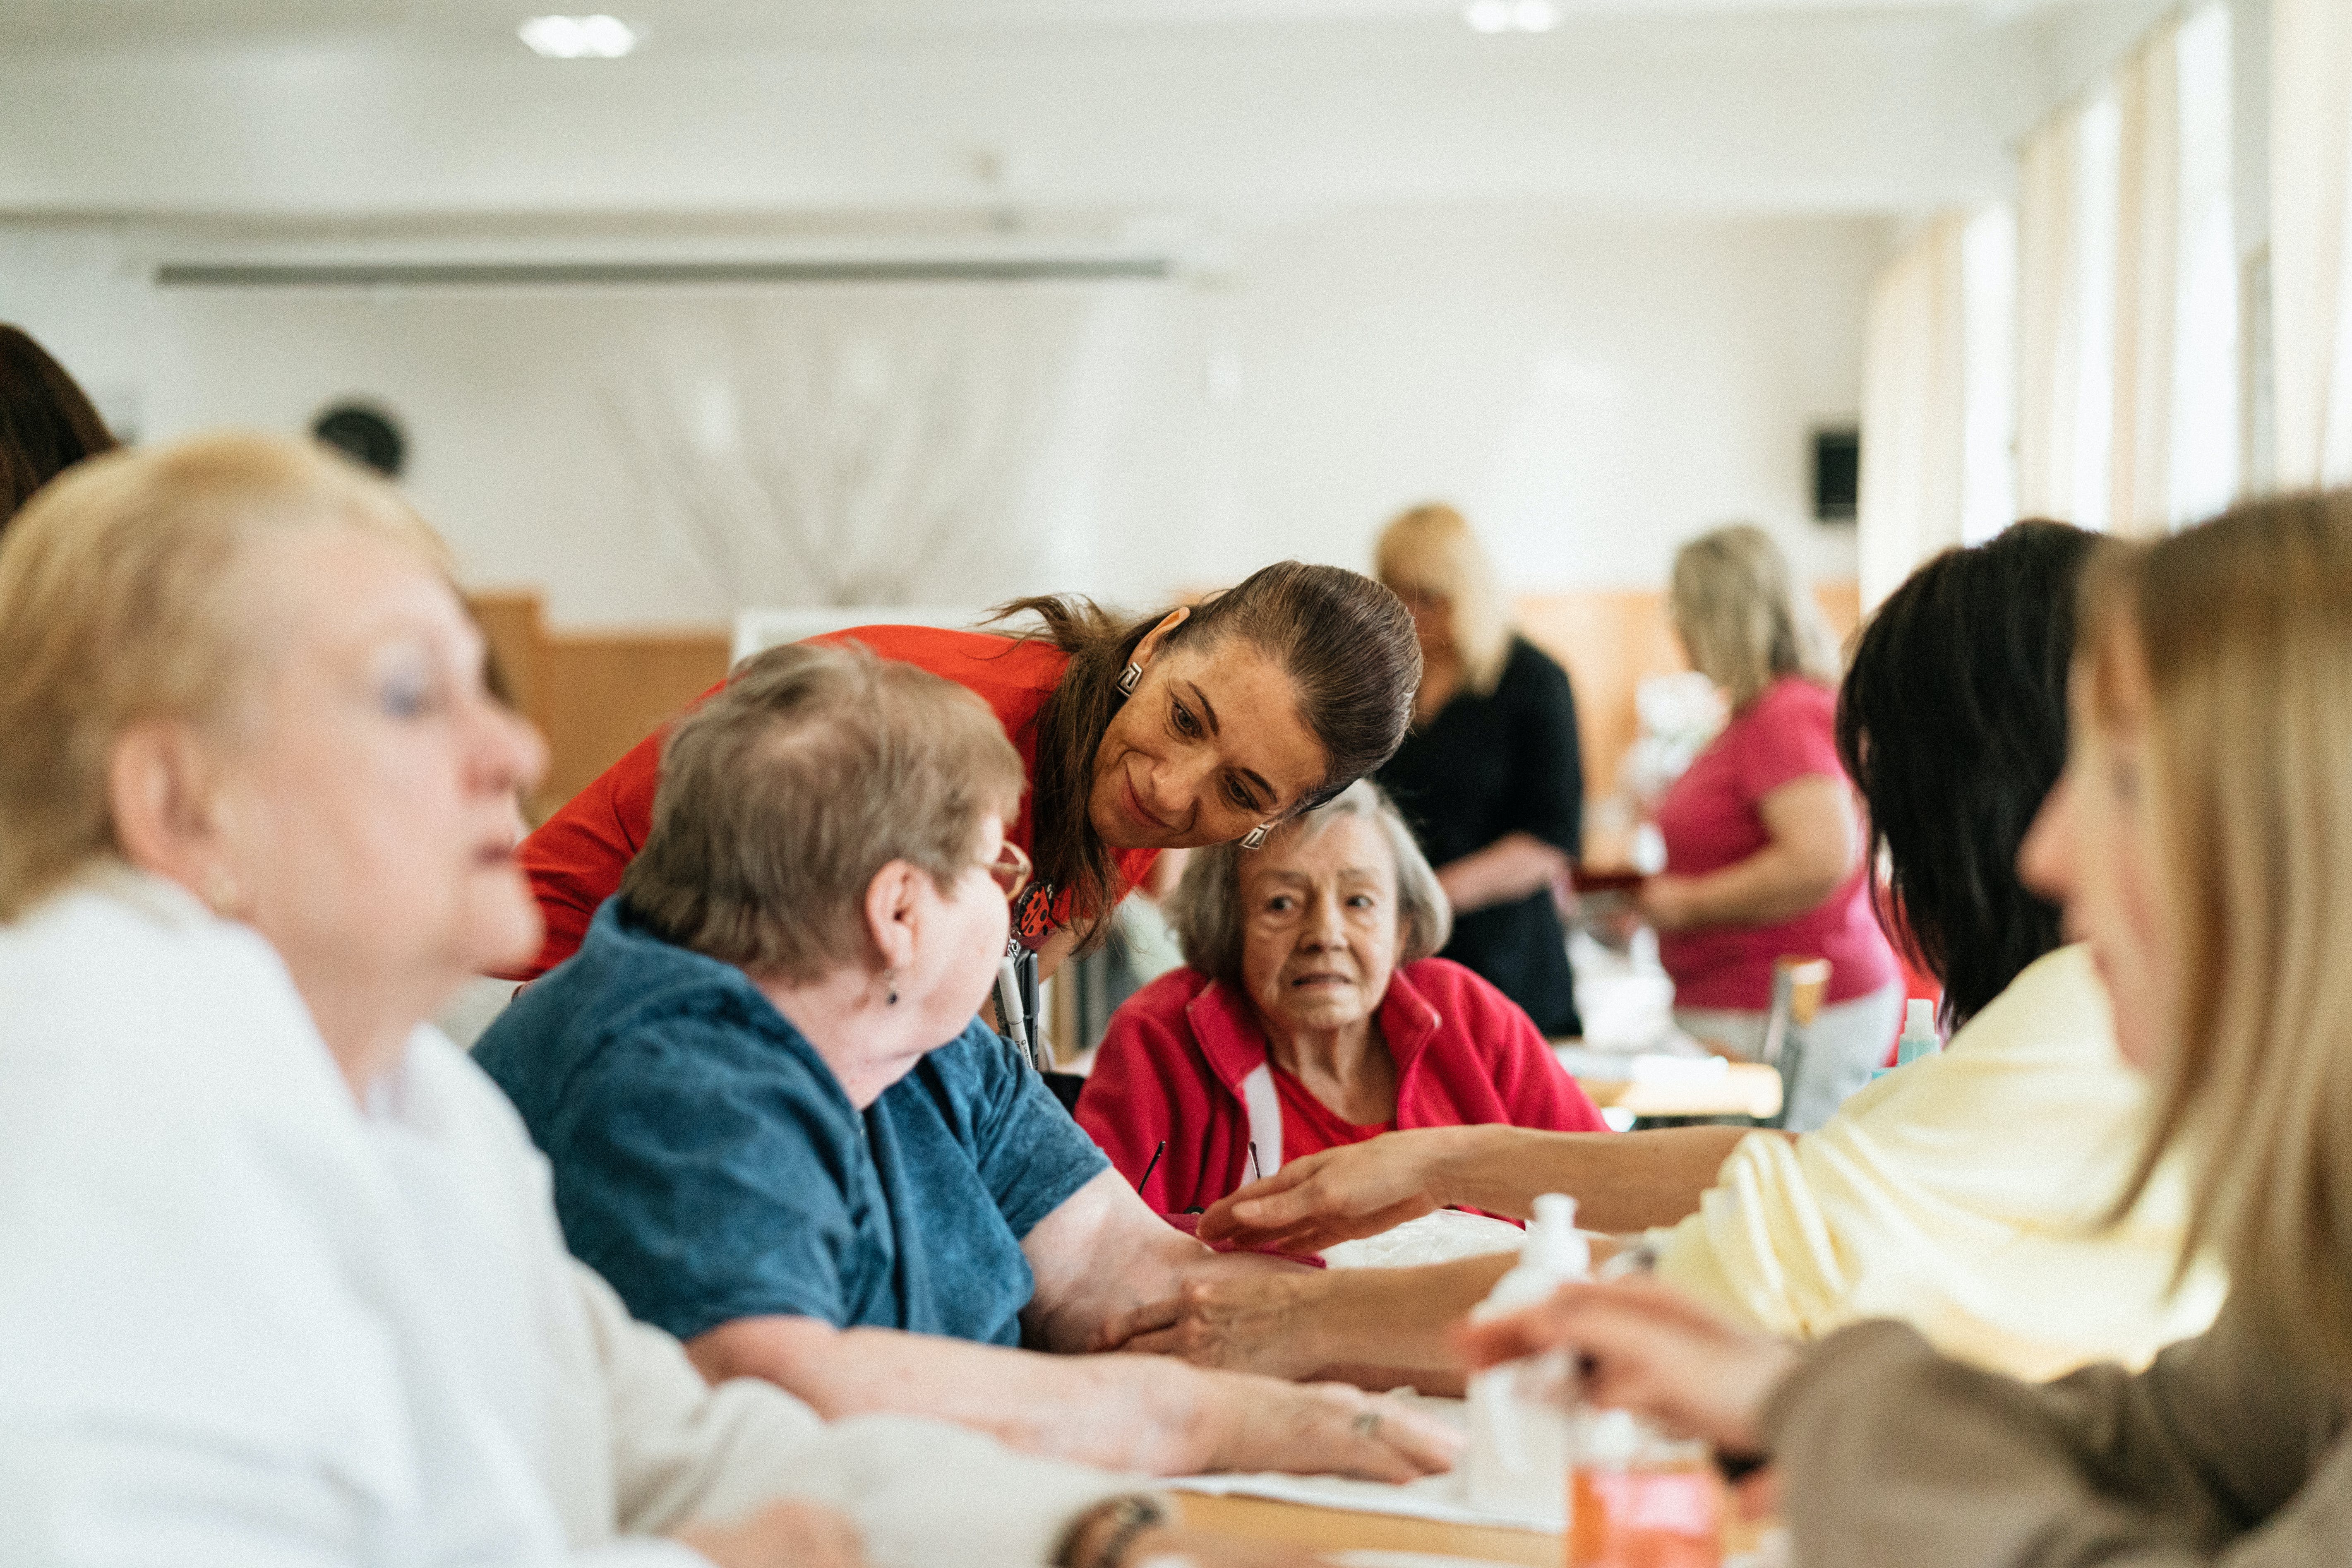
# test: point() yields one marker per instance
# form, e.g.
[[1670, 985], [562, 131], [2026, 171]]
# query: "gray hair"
[[1205, 908]]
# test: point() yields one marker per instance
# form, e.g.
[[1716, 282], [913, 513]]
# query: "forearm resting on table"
[[1621, 1181], [1510, 868], [1080, 1407]]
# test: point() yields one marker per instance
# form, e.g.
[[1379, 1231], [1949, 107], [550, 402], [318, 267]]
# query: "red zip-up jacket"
[[1185, 1060]]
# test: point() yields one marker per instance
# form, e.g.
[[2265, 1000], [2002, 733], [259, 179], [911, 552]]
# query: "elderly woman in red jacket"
[[1310, 1015]]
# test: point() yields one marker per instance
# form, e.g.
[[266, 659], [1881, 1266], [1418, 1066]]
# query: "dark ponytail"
[[1345, 640]]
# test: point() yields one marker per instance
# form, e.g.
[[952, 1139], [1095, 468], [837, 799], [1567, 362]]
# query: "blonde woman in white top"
[[1959, 1193], [280, 1281]]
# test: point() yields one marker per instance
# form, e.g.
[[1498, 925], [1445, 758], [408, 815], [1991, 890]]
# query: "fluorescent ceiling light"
[[599, 37]]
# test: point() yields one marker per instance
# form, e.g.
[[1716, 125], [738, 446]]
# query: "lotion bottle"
[[1518, 1458]]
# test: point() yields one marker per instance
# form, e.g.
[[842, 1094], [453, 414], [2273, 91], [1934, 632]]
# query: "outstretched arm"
[[1621, 1182]]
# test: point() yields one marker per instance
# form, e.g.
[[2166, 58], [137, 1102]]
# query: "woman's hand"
[[1318, 1428], [1339, 1195], [1648, 1349], [781, 1535], [1260, 1321]]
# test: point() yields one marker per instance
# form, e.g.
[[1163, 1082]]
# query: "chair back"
[[1800, 988]]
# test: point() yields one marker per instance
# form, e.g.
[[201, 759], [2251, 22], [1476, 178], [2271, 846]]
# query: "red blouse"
[[575, 858]]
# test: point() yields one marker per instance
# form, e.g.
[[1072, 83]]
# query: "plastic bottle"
[[1639, 1499], [1919, 1036], [1518, 1459]]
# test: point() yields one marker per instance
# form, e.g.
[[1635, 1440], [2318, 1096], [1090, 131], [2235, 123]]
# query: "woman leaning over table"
[[278, 1277], [1763, 845], [1310, 1015], [2202, 840], [1186, 727], [1959, 1193]]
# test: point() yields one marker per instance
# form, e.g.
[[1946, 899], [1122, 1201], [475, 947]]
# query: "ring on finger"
[[1367, 1424]]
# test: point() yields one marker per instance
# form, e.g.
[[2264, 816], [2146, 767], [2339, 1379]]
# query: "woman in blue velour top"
[[779, 1131]]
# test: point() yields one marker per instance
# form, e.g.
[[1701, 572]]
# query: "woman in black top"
[[1489, 774]]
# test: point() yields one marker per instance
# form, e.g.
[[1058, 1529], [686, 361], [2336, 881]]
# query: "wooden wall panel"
[[606, 692]]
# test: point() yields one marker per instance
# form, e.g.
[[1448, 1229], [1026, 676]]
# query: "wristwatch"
[[1113, 1525]]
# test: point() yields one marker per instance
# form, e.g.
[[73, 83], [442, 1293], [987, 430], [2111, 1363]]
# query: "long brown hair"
[[2233, 641], [1345, 641], [46, 424]]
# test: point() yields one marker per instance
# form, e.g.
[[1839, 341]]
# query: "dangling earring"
[[890, 988], [1127, 678], [1256, 837]]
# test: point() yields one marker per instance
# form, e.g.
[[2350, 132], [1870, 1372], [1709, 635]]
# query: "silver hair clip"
[[1256, 837], [1127, 678]]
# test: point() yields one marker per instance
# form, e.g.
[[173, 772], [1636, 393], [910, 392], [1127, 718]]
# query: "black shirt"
[[1484, 767]]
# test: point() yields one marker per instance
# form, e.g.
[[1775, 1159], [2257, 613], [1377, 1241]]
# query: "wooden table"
[[1337, 1530]]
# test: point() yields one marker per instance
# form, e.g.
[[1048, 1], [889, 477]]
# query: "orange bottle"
[[1638, 1501]]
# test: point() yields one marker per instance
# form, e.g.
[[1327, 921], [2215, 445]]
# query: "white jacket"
[[244, 1324]]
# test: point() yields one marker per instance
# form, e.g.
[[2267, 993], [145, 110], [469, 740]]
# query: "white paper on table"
[[1444, 1499]]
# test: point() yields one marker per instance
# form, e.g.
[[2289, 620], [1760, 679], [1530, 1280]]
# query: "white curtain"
[[2311, 239], [1939, 410], [2127, 289], [875, 443]]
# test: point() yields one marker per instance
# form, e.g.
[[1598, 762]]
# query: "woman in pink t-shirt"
[[1764, 846]]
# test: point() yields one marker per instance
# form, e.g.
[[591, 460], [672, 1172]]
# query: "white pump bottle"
[[1518, 1458]]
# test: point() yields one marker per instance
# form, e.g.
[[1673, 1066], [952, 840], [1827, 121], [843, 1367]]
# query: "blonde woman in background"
[[2201, 840], [1764, 846], [1489, 775]]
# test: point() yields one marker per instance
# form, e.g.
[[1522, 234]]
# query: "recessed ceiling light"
[[1488, 15], [599, 37], [1535, 16]]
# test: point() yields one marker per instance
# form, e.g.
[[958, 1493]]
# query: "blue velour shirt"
[[708, 1163]]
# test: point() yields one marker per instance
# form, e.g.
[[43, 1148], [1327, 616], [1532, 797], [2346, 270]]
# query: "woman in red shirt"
[[1187, 728], [1310, 1015], [1764, 843]]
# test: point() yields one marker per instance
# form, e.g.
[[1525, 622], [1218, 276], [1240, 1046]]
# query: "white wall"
[[1593, 388]]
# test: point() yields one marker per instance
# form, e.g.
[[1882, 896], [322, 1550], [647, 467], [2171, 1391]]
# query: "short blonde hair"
[[2232, 642], [784, 796], [1742, 616], [1205, 909], [118, 605], [1432, 550]]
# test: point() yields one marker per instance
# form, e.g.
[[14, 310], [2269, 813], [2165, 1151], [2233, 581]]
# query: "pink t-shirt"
[[1710, 819]]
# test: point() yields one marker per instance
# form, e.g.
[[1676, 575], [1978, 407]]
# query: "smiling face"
[[2094, 850], [1320, 929], [1210, 744], [367, 795]]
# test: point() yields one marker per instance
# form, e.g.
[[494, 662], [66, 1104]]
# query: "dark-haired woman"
[[1957, 1192], [1186, 728], [47, 422]]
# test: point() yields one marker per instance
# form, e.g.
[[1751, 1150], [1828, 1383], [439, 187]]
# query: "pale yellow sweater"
[[1961, 1194]]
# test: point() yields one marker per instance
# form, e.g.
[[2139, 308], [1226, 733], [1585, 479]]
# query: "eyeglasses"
[[1010, 870]]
